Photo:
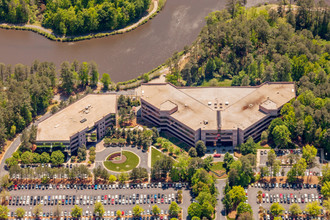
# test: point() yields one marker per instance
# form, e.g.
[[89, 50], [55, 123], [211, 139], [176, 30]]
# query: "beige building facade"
[[217, 116], [73, 125]]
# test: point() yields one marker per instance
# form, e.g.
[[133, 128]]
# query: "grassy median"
[[131, 162]]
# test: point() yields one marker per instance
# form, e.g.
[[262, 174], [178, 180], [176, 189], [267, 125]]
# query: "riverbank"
[[156, 8]]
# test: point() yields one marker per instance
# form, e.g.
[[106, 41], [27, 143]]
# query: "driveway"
[[102, 155], [220, 208], [15, 144]]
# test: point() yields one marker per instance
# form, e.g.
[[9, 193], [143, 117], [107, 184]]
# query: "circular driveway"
[[102, 156]]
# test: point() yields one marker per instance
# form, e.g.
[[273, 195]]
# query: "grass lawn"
[[263, 147], [218, 166], [131, 162], [155, 155], [175, 140]]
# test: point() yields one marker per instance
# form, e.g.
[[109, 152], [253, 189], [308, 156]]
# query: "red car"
[[217, 155], [15, 187], [105, 197], [112, 201], [162, 200]]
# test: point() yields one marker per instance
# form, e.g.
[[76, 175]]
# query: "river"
[[124, 56]]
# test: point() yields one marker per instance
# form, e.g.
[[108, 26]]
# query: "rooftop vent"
[[227, 103], [83, 120], [250, 105], [185, 105], [205, 122], [209, 103]]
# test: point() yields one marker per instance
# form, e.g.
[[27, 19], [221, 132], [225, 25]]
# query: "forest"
[[66, 17], [26, 92], [251, 46]]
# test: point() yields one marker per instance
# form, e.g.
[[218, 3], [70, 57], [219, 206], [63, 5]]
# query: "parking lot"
[[113, 197], [284, 195]]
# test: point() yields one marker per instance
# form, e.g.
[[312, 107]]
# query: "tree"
[[106, 80], [155, 210], [313, 208], [112, 178], [123, 177], [99, 209], [281, 135], [243, 208], [57, 158], [295, 209], [118, 213], [200, 148], [44, 157], [264, 171], [20, 212], [326, 189], [271, 157], [207, 210], [4, 212], [94, 74], [82, 153], [237, 195], [37, 210], [5, 181], [249, 147], [326, 204], [276, 209], [67, 78], [174, 209], [227, 161], [137, 210], [309, 154], [192, 152], [195, 210], [76, 212], [27, 157]]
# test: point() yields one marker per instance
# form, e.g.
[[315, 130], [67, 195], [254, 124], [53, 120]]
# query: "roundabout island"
[[121, 161]]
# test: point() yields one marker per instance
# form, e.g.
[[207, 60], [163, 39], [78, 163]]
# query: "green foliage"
[[237, 195], [200, 148], [295, 209], [313, 208], [192, 152], [243, 208], [281, 135], [249, 147], [99, 209], [76, 211], [137, 210], [112, 178], [155, 210], [174, 209], [57, 158], [276, 209], [20, 212], [106, 80], [195, 210], [3, 212], [326, 190]]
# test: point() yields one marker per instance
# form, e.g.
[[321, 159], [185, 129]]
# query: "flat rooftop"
[[238, 106], [76, 117]]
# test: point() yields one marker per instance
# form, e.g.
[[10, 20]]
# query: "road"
[[15, 144], [220, 208], [102, 155]]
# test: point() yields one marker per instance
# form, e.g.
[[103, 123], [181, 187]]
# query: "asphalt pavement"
[[92, 192], [15, 144]]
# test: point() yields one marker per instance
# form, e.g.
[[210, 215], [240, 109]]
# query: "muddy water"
[[122, 56]]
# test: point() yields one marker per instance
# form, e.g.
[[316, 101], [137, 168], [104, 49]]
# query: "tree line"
[[251, 46], [27, 91], [74, 17]]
